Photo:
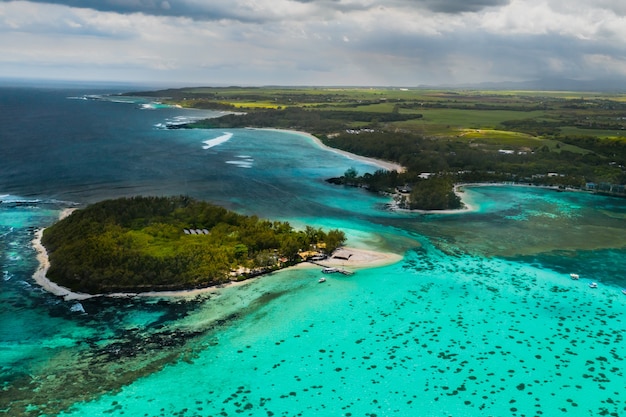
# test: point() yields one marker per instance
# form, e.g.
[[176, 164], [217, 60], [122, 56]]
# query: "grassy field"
[[495, 117], [580, 135], [599, 133]]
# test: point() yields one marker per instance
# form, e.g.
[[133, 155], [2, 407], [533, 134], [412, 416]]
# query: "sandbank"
[[360, 258], [390, 166]]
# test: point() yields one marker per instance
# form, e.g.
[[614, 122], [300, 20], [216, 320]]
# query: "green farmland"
[[576, 137]]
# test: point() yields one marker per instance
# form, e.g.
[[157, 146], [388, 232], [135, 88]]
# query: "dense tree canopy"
[[151, 243]]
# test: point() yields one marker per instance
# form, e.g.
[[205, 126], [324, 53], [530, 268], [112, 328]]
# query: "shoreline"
[[44, 264], [389, 166], [468, 207], [356, 259], [41, 278]]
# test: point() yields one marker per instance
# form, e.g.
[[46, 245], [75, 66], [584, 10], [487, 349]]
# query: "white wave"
[[244, 161], [62, 202], [77, 308], [241, 164], [119, 100], [16, 200], [217, 141], [181, 120]]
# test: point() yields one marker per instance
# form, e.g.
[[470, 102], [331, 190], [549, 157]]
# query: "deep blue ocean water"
[[480, 318]]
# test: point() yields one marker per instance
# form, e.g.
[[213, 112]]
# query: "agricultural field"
[[443, 113], [544, 137]]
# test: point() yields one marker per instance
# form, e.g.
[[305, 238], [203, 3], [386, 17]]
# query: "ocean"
[[479, 318]]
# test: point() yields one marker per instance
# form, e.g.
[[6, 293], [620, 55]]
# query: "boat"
[[574, 276], [322, 279], [624, 291], [593, 285]]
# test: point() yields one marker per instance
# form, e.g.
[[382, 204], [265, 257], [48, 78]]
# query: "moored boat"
[[574, 276], [322, 279], [593, 285]]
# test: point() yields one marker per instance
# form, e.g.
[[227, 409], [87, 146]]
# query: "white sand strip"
[[40, 275], [390, 166]]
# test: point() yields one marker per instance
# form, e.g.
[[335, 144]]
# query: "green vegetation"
[[320, 121], [539, 137], [435, 194], [150, 243]]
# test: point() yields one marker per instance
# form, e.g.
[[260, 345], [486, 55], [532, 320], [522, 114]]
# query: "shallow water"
[[479, 318]]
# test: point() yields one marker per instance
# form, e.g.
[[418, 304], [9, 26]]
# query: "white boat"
[[322, 279], [624, 291], [574, 276], [330, 270], [593, 285]]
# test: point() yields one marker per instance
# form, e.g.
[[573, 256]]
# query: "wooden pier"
[[332, 269]]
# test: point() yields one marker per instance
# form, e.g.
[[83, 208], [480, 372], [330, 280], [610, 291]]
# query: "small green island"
[[143, 244]]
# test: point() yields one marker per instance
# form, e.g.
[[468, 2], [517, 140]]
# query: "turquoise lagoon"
[[479, 318]]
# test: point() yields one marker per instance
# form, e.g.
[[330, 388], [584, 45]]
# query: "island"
[[143, 244]]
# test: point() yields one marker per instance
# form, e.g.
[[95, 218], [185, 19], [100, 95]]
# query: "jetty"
[[331, 269], [335, 270]]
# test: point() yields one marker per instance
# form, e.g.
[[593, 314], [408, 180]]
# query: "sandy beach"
[[390, 166], [44, 264], [40, 274], [356, 259], [360, 258]]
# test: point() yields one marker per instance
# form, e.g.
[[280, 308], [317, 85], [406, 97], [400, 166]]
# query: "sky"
[[313, 42]]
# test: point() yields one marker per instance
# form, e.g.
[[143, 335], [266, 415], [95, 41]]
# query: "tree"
[[145, 243], [351, 173], [289, 248], [334, 239], [435, 193]]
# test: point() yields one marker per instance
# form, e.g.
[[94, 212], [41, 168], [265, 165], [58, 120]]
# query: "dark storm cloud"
[[266, 10], [197, 10], [460, 6]]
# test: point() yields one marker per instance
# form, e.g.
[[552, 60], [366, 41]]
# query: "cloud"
[[236, 10], [391, 42], [460, 6], [47, 20], [270, 10]]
